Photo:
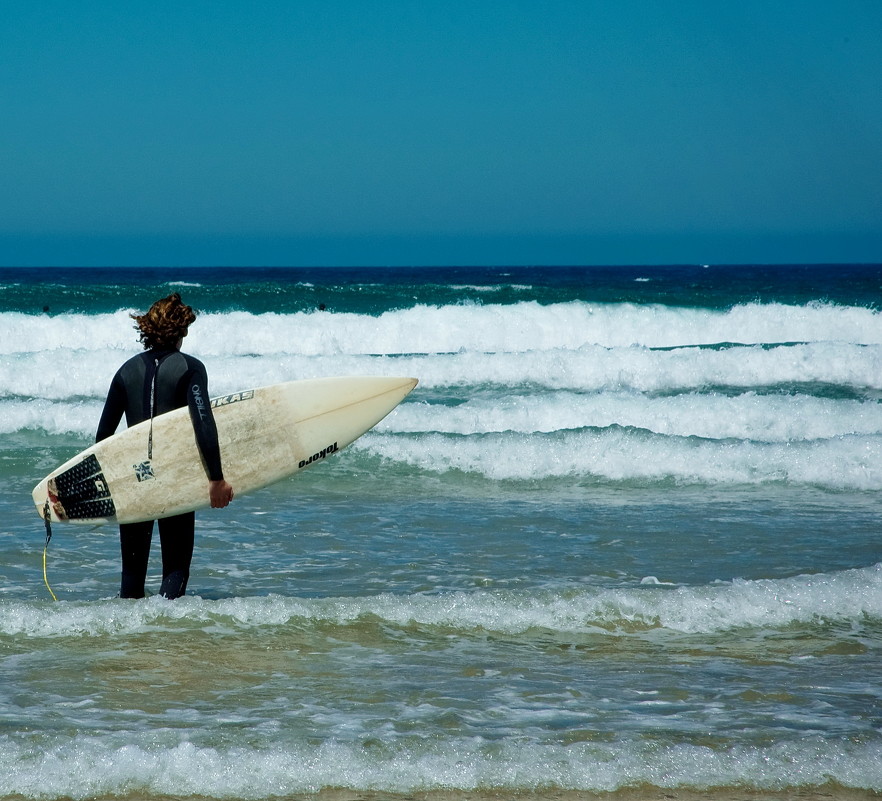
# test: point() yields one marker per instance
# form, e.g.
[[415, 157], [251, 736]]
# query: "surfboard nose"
[[401, 384]]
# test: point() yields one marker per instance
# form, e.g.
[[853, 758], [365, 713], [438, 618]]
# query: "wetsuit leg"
[[176, 535], [134, 541]]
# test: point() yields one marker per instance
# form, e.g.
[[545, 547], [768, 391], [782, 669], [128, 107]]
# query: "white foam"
[[769, 604], [572, 397], [515, 328], [594, 368], [70, 417], [28, 333], [761, 418], [65, 373], [616, 454], [529, 326], [145, 763], [765, 418]]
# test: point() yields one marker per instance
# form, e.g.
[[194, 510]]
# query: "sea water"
[[624, 534]]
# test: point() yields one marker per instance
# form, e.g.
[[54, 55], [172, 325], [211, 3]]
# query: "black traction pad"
[[82, 492]]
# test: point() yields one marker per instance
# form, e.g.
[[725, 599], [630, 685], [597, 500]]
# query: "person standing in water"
[[157, 381]]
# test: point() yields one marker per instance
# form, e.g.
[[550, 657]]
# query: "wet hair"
[[164, 323]]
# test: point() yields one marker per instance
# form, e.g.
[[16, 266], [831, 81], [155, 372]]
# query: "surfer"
[[157, 381]]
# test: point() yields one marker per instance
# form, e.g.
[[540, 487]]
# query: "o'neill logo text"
[[198, 400], [320, 455]]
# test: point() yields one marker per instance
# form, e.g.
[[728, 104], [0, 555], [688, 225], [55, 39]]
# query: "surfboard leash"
[[47, 519]]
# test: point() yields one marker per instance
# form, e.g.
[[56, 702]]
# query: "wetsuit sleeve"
[[114, 407], [203, 422]]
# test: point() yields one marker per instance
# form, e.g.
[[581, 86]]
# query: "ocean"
[[624, 537]]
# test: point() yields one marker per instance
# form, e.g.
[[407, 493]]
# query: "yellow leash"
[[48, 520], [44, 574]]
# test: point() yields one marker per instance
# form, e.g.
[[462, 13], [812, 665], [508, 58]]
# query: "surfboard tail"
[[78, 493]]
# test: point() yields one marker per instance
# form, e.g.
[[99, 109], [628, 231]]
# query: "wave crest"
[[850, 596]]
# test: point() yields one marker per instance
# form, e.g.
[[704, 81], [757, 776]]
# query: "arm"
[[219, 491], [114, 407]]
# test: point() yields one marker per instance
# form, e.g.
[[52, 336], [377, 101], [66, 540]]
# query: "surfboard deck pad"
[[81, 492]]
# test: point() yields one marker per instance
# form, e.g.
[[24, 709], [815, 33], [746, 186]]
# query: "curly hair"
[[165, 322]]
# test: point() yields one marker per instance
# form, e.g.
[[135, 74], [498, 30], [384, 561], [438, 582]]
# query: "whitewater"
[[753, 393], [622, 537]]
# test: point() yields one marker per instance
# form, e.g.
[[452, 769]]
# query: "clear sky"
[[374, 132]]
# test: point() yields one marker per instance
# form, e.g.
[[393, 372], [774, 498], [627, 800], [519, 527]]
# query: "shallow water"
[[607, 543]]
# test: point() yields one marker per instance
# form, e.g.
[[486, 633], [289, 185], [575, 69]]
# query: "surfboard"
[[265, 435]]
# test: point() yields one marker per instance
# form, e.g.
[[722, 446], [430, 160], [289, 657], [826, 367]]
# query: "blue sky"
[[371, 132]]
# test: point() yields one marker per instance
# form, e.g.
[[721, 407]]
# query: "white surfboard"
[[265, 435]]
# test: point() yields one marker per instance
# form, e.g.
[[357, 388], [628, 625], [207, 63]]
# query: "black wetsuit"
[[180, 380]]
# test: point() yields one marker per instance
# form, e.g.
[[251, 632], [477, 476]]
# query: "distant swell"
[[516, 328]]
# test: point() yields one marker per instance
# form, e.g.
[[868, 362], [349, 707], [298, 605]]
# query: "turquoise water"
[[625, 532]]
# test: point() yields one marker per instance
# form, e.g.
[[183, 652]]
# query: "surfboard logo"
[[144, 471], [226, 400], [320, 455]]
